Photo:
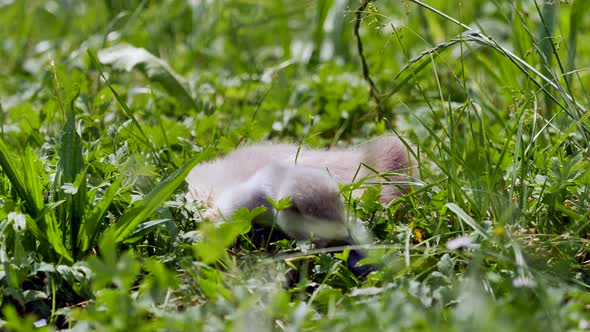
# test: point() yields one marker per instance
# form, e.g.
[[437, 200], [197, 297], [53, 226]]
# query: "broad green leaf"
[[41, 222], [70, 153], [159, 281], [127, 57], [71, 165], [89, 232], [31, 295], [12, 171], [112, 268], [53, 233], [25, 180], [78, 276], [145, 228], [217, 238], [209, 283], [281, 204]]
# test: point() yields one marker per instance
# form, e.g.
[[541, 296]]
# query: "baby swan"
[[250, 175]]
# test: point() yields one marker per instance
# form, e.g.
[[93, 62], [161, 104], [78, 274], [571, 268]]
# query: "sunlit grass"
[[106, 106]]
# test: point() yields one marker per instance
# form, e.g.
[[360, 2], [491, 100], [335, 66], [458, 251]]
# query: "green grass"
[[106, 105]]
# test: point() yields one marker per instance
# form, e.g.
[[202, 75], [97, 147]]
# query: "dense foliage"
[[106, 105]]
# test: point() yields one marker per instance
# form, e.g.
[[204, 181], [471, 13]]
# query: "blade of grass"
[[478, 37], [579, 9], [549, 18], [571, 107], [524, 66], [463, 216], [141, 210], [283, 28], [322, 10], [143, 137]]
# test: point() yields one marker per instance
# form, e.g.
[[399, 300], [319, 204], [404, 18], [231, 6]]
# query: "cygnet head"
[[316, 210]]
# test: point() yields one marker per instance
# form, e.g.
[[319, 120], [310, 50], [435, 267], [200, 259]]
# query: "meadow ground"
[[106, 105]]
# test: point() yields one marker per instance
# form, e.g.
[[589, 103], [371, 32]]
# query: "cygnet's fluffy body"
[[249, 175]]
